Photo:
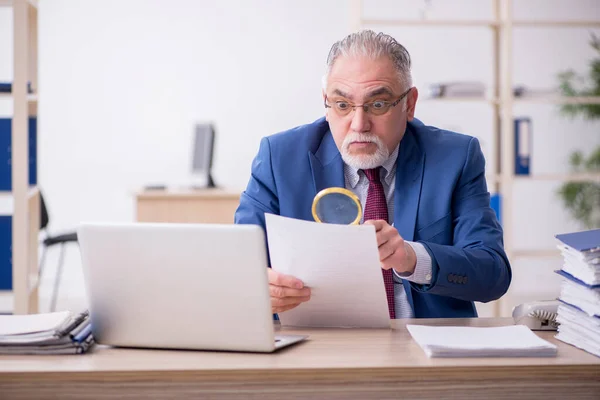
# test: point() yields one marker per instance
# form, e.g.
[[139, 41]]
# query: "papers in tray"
[[503, 341], [48, 333]]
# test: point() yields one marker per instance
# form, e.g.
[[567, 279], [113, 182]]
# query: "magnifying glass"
[[336, 205]]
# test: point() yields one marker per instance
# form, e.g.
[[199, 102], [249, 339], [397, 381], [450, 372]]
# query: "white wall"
[[123, 81]]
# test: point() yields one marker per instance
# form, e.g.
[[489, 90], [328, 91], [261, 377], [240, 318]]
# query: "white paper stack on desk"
[[579, 313], [460, 341], [48, 333]]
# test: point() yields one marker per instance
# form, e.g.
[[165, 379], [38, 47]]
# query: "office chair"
[[49, 241]]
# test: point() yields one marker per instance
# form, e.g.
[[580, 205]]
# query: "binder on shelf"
[[523, 145], [6, 153], [495, 203], [6, 270]]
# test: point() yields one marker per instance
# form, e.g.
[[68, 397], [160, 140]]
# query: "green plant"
[[573, 84], [582, 199]]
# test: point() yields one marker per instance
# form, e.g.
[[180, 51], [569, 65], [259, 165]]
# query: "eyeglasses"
[[377, 107]]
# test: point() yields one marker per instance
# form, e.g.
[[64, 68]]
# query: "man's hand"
[[394, 252], [286, 291]]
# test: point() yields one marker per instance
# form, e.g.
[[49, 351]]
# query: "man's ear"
[[326, 109], [411, 103]]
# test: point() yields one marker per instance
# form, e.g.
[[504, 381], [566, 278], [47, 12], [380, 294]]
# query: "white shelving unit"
[[502, 101], [25, 198]]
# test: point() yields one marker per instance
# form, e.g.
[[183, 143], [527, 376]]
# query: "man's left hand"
[[394, 252]]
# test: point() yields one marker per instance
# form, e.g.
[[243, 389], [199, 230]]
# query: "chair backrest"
[[44, 217]]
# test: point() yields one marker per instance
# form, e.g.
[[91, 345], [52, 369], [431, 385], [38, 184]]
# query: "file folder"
[[523, 142], [585, 241]]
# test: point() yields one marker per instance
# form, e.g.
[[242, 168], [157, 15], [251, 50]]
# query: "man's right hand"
[[286, 291]]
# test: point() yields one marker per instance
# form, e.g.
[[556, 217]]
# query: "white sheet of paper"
[[340, 263], [467, 341]]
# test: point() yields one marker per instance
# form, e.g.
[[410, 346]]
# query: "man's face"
[[365, 140]]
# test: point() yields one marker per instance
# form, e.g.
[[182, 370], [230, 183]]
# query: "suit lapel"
[[409, 177], [326, 165]]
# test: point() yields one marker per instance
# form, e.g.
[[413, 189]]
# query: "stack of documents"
[[502, 341], [579, 312], [49, 333]]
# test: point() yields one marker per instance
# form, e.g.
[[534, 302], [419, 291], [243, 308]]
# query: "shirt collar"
[[387, 174]]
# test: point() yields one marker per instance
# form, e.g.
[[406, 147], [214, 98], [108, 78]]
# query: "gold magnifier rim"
[[340, 190]]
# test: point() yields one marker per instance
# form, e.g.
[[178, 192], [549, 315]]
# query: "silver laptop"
[[179, 286]]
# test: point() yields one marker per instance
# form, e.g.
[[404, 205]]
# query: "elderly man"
[[423, 188]]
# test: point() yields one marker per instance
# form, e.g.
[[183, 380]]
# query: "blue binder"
[[523, 145], [496, 203], [578, 281], [585, 241], [6, 153], [6, 252]]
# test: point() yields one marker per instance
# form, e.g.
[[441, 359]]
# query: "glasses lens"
[[342, 107], [379, 107]]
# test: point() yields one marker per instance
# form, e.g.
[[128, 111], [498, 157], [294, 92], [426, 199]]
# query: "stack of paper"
[[49, 333], [579, 313], [503, 341]]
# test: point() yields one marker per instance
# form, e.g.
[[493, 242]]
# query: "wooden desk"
[[333, 363], [195, 206]]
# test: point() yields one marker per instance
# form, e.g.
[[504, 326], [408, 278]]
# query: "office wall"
[[123, 81]]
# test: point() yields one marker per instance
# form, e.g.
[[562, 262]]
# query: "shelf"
[[557, 24], [557, 100], [9, 3], [483, 23], [560, 177], [461, 99], [549, 253], [31, 97], [417, 22], [586, 177], [523, 99]]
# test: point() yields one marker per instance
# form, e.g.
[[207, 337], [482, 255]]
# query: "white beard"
[[364, 161]]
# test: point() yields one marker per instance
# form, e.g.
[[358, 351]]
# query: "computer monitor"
[[204, 139]]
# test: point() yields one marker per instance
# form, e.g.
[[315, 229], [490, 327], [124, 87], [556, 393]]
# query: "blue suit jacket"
[[441, 200]]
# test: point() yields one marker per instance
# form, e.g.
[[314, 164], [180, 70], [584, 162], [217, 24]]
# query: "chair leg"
[[42, 262], [61, 259]]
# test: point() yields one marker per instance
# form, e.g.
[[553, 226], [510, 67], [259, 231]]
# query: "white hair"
[[373, 45]]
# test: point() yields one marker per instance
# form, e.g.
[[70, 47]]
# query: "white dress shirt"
[[357, 182]]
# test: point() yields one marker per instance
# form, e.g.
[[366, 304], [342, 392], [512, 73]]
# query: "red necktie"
[[376, 208]]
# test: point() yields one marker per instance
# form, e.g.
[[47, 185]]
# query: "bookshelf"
[[501, 178], [25, 197]]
